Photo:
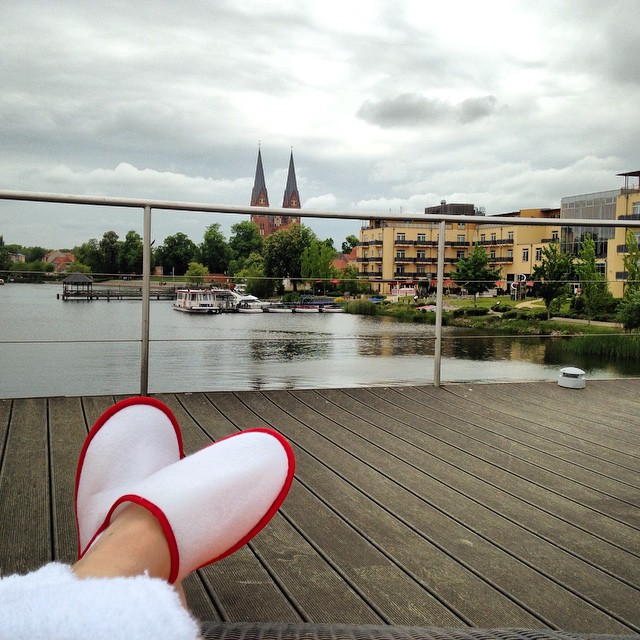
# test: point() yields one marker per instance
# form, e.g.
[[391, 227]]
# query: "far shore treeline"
[[295, 253]]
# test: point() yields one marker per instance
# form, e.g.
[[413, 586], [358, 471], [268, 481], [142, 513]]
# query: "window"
[[493, 237], [525, 255], [365, 254], [400, 254], [538, 254], [400, 269], [492, 254], [460, 237], [421, 255], [400, 237], [510, 236], [510, 254], [422, 237], [462, 225], [554, 236], [482, 237], [459, 255], [421, 270], [636, 209]]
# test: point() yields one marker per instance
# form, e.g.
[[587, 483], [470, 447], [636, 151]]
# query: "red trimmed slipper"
[[213, 502], [132, 440]]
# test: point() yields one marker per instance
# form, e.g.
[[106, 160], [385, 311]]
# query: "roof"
[[291, 196], [259, 195], [77, 278]]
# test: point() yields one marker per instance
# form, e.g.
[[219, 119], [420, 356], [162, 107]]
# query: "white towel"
[[55, 604]]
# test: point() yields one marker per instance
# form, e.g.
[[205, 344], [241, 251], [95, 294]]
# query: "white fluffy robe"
[[54, 603]]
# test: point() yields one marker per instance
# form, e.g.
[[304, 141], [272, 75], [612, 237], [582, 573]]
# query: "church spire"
[[259, 195], [291, 198]]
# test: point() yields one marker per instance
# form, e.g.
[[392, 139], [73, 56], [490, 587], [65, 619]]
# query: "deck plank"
[[497, 505]]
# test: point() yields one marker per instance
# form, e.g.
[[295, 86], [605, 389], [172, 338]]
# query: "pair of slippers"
[[209, 504]]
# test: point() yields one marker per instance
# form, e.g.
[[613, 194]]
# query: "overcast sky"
[[389, 105]]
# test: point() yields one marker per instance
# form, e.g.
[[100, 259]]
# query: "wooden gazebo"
[[77, 285]]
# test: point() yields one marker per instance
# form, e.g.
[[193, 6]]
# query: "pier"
[[469, 505]]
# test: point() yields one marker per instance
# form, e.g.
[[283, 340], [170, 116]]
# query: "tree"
[[35, 254], [316, 261], [629, 311], [196, 273], [594, 292], [89, 253], [552, 276], [349, 243], [474, 274], [351, 282], [283, 252], [631, 261], [109, 252], [244, 241], [213, 251], [131, 250], [78, 267], [253, 273], [175, 254], [5, 260]]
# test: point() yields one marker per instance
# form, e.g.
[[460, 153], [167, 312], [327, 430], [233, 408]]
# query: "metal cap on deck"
[[572, 378]]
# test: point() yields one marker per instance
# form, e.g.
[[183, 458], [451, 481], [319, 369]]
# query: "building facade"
[[404, 253]]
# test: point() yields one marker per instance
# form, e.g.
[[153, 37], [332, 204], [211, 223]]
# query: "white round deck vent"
[[572, 378]]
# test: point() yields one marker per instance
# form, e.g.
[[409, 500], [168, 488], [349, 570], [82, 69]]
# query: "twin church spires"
[[269, 224]]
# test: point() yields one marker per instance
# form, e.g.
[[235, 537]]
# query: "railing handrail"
[[147, 205]]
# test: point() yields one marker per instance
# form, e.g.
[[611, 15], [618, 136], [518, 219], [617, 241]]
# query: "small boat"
[[306, 308], [195, 301], [248, 307], [279, 309], [331, 308]]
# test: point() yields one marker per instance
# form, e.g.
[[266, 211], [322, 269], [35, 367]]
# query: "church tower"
[[259, 195], [268, 224]]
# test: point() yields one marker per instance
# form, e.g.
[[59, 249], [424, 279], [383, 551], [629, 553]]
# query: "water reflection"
[[247, 351]]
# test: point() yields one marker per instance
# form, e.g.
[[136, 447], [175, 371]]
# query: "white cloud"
[[389, 105]]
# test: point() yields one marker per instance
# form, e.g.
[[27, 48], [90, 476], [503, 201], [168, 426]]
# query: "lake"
[[49, 347]]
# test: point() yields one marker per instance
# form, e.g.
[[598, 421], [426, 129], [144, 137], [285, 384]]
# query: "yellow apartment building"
[[617, 204], [402, 253]]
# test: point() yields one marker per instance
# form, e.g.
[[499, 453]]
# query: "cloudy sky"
[[389, 105]]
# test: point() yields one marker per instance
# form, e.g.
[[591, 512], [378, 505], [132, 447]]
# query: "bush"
[[361, 307], [501, 308], [629, 312], [476, 312], [510, 315]]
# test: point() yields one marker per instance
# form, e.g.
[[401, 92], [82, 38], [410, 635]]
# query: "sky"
[[389, 106]]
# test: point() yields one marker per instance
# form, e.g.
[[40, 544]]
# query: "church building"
[[269, 224]]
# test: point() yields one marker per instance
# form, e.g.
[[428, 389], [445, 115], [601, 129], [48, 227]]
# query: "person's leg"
[[132, 545]]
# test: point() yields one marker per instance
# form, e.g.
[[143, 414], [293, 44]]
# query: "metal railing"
[[147, 206]]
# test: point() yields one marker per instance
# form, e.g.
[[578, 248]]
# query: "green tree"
[[130, 256], [629, 311], [594, 292], [196, 273], [552, 276], [89, 253], [109, 252], [349, 243], [316, 261], [631, 261], [474, 274], [78, 267], [253, 272], [283, 252], [351, 282], [244, 241], [214, 251], [35, 254], [175, 254], [5, 260]]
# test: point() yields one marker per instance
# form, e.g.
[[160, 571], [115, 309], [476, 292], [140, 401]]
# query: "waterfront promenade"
[[497, 505]]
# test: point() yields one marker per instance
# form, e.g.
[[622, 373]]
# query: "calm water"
[[84, 348]]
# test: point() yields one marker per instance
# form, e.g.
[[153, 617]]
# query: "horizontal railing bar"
[[199, 207]]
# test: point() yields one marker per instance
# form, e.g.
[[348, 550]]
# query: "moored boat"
[[195, 301], [306, 308]]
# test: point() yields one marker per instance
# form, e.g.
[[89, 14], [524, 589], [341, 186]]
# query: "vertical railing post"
[[146, 297], [437, 358]]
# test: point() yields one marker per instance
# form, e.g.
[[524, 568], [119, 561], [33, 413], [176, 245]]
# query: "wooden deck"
[[498, 505]]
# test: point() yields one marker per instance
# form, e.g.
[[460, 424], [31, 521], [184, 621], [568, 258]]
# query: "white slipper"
[[130, 441], [211, 503]]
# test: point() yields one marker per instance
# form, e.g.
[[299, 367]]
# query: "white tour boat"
[[196, 301]]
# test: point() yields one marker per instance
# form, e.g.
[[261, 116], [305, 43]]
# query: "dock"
[[469, 505]]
